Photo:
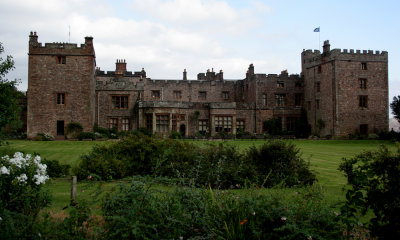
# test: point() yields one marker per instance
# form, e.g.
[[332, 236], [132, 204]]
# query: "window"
[[363, 101], [363, 129], [203, 127], [298, 84], [223, 123], [177, 94], [239, 125], [155, 94], [363, 83], [60, 98], [363, 66], [149, 122], [280, 84], [113, 123], [317, 103], [319, 69], [291, 123], [120, 102], [225, 95], [125, 124], [318, 86], [280, 100], [162, 123], [175, 119], [203, 95], [61, 59], [298, 99], [264, 99]]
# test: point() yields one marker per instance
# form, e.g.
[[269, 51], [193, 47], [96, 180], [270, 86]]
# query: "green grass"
[[324, 156]]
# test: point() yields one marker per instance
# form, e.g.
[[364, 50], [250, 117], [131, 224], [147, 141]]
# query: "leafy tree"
[[395, 106], [9, 98], [374, 179]]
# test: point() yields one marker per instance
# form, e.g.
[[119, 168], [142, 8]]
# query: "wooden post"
[[73, 190]]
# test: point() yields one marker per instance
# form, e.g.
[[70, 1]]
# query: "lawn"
[[324, 156]]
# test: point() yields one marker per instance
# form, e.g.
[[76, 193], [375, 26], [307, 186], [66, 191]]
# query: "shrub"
[[374, 178], [175, 135], [87, 135], [55, 169], [44, 137], [21, 195], [273, 126], [73, 129], [277, 161]]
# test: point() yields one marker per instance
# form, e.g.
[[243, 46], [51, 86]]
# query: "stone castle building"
[[347, 90]]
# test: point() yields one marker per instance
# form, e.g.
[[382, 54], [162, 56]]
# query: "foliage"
[[279, 161], [175, 135], [87, 135], [374, 178], [9, 98], [44, 137], [101, 132], [138, 211], [21, 194], [55, 169], [74, 129], [303, 128], [273, 126], [395, 106]]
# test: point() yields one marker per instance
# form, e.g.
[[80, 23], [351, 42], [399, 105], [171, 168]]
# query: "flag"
[[316, 29]]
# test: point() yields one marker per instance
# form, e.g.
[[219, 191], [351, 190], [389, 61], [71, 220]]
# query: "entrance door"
[[60, 128], [182, 130]]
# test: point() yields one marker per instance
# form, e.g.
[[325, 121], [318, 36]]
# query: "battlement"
[[363, 52]]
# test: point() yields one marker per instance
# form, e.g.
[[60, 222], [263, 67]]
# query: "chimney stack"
[[184, 74], [326, 47]]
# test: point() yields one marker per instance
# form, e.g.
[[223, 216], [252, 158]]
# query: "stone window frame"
[[120, 101], [155, 94], [125, 124], [203, 126], [225, 95], [149, 121], [202, 95], [280, 99], [112, 123], [264, 99], [177, 94], [364, 66], [61, 59], [319, 69], [223, 123], [240, 124], [60, 98], [318, 86], [363, 101], [298, 99], [362, 83], [317, 103], [162, 123]]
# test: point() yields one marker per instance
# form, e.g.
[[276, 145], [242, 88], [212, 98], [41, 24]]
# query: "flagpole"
[[319, 38]]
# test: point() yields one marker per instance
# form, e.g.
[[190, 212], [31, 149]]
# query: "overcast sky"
[[167, 36]]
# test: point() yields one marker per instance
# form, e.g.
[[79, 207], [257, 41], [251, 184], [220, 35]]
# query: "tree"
[[395, 106], [9, 98]]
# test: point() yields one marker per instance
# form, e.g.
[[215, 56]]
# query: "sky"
[[167, 36]]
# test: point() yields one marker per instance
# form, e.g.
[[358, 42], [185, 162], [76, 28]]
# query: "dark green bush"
[[74, 129], [273, 126], [374, 178], [55, 169], [280, 162], [87, 135], [175, 135]]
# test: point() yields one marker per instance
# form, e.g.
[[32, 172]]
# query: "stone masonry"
[[346, 90]]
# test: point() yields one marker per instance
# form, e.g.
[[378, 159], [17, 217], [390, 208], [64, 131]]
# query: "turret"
[[326, 47]]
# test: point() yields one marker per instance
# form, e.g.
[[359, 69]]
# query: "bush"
[[44, 137], [21, 195], [175, 135], [277, 161], [55, 169], [74, 129], [273, 126], [374, 178], [87, 135]]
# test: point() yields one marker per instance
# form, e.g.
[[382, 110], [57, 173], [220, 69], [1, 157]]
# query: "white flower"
[[22, 178], [4, 170], [37, 159], [1, 219], [283, 218], [39, 179]]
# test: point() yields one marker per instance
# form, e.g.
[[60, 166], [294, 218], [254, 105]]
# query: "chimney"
[[251, 69], [120, 66], [221, 75], [184, 74], [326, 47], [89, 41], [33, 39]]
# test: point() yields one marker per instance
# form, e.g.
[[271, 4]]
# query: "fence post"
[[73, 190]]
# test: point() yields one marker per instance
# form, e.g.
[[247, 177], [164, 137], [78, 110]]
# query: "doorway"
[[182, 130], [60, 128]]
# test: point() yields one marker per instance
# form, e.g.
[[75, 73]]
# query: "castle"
[[346, 90]]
